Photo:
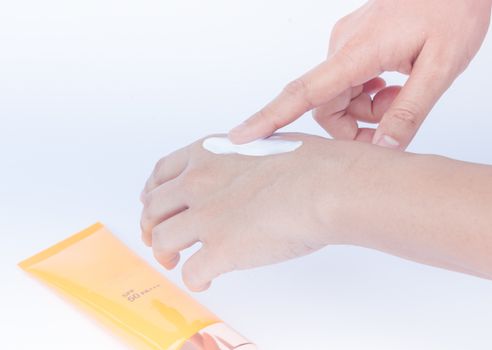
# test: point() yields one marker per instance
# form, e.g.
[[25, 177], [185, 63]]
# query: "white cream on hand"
[[262, 147]]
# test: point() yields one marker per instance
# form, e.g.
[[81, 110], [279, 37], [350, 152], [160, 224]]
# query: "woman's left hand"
[[246, 211]]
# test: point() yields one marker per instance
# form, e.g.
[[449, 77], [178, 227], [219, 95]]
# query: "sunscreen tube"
[[99, 273]]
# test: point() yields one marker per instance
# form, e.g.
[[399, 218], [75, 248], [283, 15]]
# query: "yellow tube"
[[98, 272]]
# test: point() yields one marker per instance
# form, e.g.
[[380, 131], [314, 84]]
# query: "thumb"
[[429, 79], [201, 268]]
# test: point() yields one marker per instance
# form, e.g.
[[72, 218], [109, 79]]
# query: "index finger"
[[316, 87]]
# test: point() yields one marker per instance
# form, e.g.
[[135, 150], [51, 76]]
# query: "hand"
[[246, 211], [252, 211], [432, 41]]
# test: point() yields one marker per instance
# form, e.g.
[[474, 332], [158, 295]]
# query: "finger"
[[340, 125], [430, 78], [171, 237], [326, 81], [378, 107], [196, 340], [374, 85], [167, 169], [209, 342], [365, 135], [160, 204], [335, 118], [337, 104], [366, 109], [334, 112], [202, 267], [383, 100]]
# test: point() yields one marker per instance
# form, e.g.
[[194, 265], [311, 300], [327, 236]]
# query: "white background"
[[93, 92]]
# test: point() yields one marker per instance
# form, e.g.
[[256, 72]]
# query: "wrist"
[[367, 187]]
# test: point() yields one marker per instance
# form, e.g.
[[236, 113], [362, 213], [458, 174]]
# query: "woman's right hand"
[[432, 41]]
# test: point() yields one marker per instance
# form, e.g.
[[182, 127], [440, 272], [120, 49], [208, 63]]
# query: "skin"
[[201, 342], [321, 194], [253, 211], [432, 41]]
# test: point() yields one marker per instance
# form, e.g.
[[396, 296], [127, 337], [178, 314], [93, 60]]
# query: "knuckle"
[[346, 55], [350, 59], [194, 181], [147, 199], [147, 204], [161, 244], [297, 89], [196, 146], [148, 216], [407, 114], [337, 34], [269, 114], [159, 166], [189, 180], [144, 224], [156, 237], [339, 27], [191, 274], [195, 150]]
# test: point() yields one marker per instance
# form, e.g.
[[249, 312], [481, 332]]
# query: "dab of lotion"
[[263, 147]]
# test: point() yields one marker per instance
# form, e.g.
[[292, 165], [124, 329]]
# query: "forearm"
[[428, 209]]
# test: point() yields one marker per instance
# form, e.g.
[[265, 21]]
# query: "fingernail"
[[388, 142]]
